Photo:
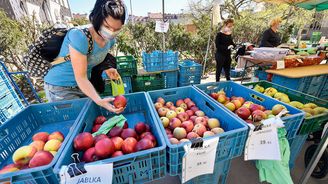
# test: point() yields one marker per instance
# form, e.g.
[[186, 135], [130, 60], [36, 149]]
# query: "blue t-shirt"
[[62, 74]]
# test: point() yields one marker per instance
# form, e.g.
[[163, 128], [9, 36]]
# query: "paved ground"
[[242, 172]]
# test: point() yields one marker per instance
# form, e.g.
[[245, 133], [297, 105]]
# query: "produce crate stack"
[[160, 61], [126, 66], [28, 132], [147, 82], [10, 103], [170, 79], [314, 120], [231, 131], [190, 73], [131, 163]]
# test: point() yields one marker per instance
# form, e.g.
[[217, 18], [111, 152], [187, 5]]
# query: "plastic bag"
[[117, 87]]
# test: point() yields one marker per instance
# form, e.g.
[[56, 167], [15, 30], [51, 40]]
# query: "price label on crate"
[[80, 173], [262, 143], [199, 158], [280, 64]]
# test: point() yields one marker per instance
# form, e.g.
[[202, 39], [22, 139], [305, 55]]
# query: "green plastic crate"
[[126, 66], [311, 124], [147, 82], [108, 86]]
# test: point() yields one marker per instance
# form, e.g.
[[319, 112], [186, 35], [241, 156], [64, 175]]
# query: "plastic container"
[[170, 79], [262, 75], [160, 61], [219, 175], [232, 141], [138, 167], [292, 123], [18, 131], [236, 73], [147, 82], [268, 53], [127, 86], [126, 66], [190, 73], [296, 144], [312, 124]]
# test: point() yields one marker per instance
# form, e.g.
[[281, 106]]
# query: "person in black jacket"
[[224, 44], [270, 37]]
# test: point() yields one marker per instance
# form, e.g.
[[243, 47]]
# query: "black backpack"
[[42, 54]]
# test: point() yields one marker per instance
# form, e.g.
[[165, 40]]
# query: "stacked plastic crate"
[[190, 73]]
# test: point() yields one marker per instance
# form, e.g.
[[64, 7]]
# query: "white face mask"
[[108, 34]]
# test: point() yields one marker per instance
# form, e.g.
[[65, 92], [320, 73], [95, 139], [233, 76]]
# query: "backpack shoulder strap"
[[87, 33]]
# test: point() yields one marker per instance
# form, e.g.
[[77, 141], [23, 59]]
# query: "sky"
[[139, 7]]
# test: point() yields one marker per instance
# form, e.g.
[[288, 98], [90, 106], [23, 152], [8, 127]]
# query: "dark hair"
[[228, 21], [105, 8]]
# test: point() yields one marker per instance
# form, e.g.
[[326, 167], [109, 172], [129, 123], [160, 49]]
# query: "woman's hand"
[[112, 74], [105, 103]]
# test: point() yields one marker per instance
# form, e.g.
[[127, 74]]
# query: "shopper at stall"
[[270, 37], [224, 45], [70, 80]]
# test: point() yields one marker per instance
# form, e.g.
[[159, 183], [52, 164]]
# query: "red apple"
[[104, 148], [175, 122], [128, 133], [188, 125], [160, 100], [190, 113], [241, 99], [126, 125], [151, 137], [237, 103], [179, 102], [215, 96], [192, 135], [201, 120], [194, 108], [174, 140], [118, 141], [249, 121], [158, 105], [117, 154], [171, 114], [95, 128], [120, 101], [258, 115], [168, 131], [190, 104], [99, 137], [144, 144], [277, 109], [90, 155], [230, 106], [147, 128], [83, 141], [208, 134], [40, 158], [39, 145], [199, 129], [169, 104], [222, 98], [179, 133], [170, 136], [144, 134], [183, 116], [115, 131], [129, 145], [162, 111], [100, 120], [56, 135], [186, 100], [193, 118], [140, 127], [41, 136], [254, 107], [200, 113], [172, 108], [243, 113], [184, 106], [217, 130], [248, 104]]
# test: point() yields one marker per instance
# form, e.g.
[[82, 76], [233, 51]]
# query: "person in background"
[[71, 79], [224, 45], [270, 37]]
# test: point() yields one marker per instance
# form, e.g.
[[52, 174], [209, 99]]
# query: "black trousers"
[[222, 61]]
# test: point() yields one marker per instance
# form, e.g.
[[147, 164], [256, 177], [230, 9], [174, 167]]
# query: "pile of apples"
[[119, 141], [39, 153], [310, 109], [184, 121], [248, 111]]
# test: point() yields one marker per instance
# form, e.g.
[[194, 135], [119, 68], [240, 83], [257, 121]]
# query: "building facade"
[[45, 11]]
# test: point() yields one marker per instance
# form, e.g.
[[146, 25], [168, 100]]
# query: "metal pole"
[[208, 43], [132, 21], [315, 159], [163, 11]]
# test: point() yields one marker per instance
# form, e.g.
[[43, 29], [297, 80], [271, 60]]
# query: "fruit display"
[[248, 110], [310, 109], [38, 153], [117, 142], [184, 121]]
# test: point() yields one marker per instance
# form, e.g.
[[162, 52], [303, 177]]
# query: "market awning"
[[318, 5]]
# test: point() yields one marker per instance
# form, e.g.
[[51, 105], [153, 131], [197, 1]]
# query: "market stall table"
[[249, 62], [299, 72]]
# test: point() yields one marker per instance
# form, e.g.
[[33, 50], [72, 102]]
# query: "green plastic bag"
[[109, 124], [277, 171], [117, 87]]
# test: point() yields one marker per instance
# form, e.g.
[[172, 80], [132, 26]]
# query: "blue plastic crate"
[[10, 104], [18, 131], [190, 73], [262, 75], [139, 167], [170, 79], [292, 83], [219, 175], [236, 73], [231, 143], [296, 144], [127, 84], [292, 123], [160, 61]]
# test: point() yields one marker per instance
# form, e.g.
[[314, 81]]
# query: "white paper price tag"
[[280, 64], [200, 160], [161, 27], [263, 144], [102, 174]]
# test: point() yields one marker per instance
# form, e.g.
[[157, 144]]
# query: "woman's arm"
[[79, 64]]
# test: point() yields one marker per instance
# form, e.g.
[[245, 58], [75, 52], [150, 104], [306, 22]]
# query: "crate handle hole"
[[209, 106], [257, 98], [63, 106], [211, 87]]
